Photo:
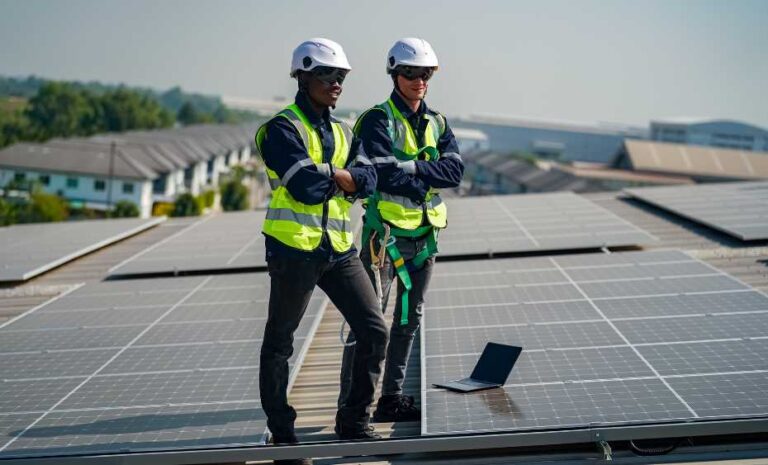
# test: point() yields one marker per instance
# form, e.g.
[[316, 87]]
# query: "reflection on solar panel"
[[535, 222], [620, 339], [224, 241], [139, 365], [739, 209], [27, 250]]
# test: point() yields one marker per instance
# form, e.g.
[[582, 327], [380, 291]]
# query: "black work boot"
[[396, 407], [354, 431], [284, 440]]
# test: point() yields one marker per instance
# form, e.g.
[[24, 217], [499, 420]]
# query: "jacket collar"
[[404, 108]]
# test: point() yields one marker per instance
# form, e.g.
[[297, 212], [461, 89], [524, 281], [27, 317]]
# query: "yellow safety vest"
[[299, 225], [397, 210]]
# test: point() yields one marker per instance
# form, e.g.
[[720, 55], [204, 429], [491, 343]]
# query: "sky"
[[617, 61]]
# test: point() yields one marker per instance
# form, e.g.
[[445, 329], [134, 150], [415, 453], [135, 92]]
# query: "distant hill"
[[172, 99]]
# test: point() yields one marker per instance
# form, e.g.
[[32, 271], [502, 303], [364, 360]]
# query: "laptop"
[[492, 370]]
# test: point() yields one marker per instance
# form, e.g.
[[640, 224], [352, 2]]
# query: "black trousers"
[[347, 285], [401, 336]]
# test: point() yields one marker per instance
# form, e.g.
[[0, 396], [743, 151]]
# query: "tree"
[[125, 209], [124, 110], [234, 196], [59, 110], [43, 208], [7, 213], [189, 114], [13, 128], [186, 205]]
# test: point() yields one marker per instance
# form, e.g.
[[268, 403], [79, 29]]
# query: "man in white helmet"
[[415, 154], [316, 173]]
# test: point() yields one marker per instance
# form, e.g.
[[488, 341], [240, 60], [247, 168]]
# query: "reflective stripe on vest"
[[296, 224], [400, 211]]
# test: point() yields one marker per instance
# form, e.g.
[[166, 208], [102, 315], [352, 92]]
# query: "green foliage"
[[42, 208], [189, 114], [58, 110], [7, 213], [125, 209], [66, 109], [186, 205], [61, 110], [207, 198], [13, 128], [234, 195], [124, 110]]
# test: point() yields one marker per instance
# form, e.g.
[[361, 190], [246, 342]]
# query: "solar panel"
[[223, 241], [139, 365], [533, 222], [739, 209], [619, 339], [27, 250], [226, 241]]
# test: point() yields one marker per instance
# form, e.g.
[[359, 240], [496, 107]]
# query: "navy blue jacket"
[[282, 148], [376, 144]]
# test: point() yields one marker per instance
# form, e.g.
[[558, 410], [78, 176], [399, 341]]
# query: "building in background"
[[710, 132], [702, 164], [568, 142], [143, 167]]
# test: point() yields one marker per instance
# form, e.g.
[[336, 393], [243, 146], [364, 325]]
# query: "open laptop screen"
[[496, 363]]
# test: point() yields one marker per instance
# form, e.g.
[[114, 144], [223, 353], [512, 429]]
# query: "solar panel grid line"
[[734, 278], [621, 379], [612, 346], [134, 407], [720, 373], [62, 400], [700, 341], [689, 315], [242, 250], [529, 351], [575, 381], [516, 221], [673, 294], [158, 244], [622, 336], [32, 310]]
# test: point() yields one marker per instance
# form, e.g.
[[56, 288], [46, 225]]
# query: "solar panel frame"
[[739, 209], [551, 370], [29, 250], [110, 382]]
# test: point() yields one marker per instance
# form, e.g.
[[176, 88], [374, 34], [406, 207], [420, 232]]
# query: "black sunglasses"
[[415, 72], [329, 75]]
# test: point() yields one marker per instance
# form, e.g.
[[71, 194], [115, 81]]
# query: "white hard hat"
[[411, 51], [318, 52]]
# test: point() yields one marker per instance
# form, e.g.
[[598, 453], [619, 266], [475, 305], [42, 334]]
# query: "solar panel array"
[[608, 339], [534, 222], [739, 209], [216, 242], [227, 241], [139, 365], [27, 250]]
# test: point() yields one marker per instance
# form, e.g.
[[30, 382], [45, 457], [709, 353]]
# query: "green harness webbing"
[[373, 223]]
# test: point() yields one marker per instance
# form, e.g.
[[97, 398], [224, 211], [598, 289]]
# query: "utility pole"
[[112, 149]]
